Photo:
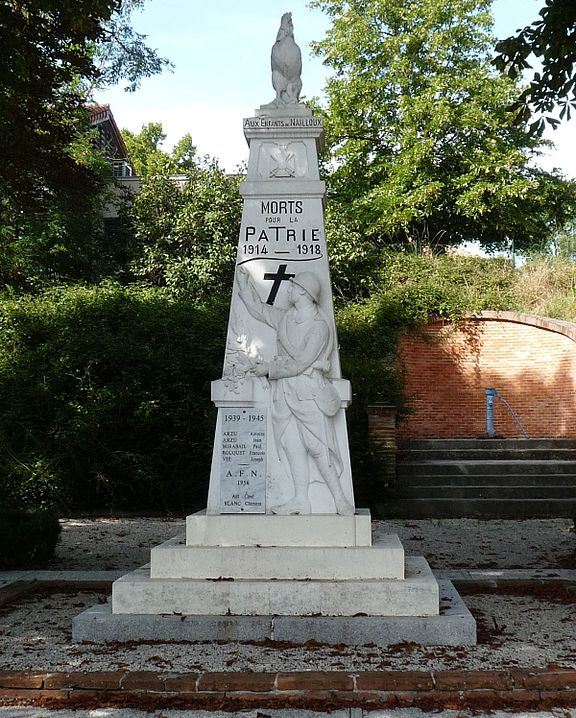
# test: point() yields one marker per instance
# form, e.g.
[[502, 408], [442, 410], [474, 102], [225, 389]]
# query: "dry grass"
[[546, 286]]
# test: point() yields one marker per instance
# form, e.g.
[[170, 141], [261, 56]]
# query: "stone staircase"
[[484, 478]]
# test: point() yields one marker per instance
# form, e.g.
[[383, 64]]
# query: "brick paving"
[[519, 688]]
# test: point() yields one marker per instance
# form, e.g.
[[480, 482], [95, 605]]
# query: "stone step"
[[203, 529], [416, 595], [488, 444], [488, 479], [476, 508], [477, 467], [476, 453], [453, 626], [173, 559], [471, 491]]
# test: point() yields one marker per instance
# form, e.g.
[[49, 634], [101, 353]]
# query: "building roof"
[[110, 138]]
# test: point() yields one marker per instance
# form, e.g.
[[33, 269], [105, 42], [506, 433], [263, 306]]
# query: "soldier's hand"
[[262, 369], [243, 277]]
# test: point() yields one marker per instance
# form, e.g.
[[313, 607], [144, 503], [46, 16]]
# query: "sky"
[[221, 53]]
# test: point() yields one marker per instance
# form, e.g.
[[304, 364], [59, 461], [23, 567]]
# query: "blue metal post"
[[490, 394]]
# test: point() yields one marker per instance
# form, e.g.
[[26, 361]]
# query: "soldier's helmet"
[[310, 283]]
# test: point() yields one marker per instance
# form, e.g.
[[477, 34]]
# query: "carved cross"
[[278, 278]]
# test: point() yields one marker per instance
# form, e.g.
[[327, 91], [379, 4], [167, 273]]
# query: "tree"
[[184, 154], [185, 231], [121, 54], [52, 178], [552, 40], [185, 238], [148, 157], [50, 54], [422, 150], [43, 47]]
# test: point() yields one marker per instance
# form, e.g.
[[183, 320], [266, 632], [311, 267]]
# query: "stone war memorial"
[[281, 552]]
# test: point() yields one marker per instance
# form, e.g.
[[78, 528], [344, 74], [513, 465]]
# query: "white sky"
[[221, 51]]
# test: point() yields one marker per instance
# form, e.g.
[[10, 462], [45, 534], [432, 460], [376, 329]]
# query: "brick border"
[[525, 688], [558, 326], [568, 329]]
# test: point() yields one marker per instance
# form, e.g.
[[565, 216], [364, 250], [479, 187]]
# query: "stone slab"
[[286, 112], [99, 625], [240, 446], [453, 626], [294, 188], [416, 595], [247, 530], [173, 559]]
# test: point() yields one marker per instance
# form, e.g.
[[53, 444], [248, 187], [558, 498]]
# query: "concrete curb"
[[24, 582], [456, 575], [517, 688]]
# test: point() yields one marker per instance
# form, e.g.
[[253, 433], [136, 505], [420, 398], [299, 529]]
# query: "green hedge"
[[106, 398], [27, 538], [107, 395]]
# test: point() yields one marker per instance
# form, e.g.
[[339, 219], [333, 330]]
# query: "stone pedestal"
[[320, 578]]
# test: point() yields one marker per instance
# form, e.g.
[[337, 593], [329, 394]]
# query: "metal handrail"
[[491, 394]]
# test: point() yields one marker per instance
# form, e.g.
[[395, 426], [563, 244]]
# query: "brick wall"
[[530, 360]]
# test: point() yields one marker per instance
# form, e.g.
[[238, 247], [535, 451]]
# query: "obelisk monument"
[[281, 443]]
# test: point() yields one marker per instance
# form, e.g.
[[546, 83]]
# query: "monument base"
[[454, 626], [319, 578]]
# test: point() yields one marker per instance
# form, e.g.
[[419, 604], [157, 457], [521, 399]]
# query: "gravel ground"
[[514, 631], [106, 544], [534, 630]]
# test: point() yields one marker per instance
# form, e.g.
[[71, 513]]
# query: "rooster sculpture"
[[286, 65]]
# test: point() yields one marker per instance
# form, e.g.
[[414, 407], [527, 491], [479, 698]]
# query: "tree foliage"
[[185, 228], [185, 237], [52, 179], [44, 48], [106, 400], [50, 54], [551, 39], [122, 55], [147, 156], [422, 148]]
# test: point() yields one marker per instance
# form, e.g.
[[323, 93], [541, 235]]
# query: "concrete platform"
[[173, 559], [453, 626], [416, 595]]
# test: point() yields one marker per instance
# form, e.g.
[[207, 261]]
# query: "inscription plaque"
[[243, 461]]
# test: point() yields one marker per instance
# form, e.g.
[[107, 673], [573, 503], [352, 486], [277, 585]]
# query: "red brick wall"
[[530, 360]]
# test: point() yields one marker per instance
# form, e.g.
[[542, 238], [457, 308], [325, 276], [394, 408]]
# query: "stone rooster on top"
[[286, 65]]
